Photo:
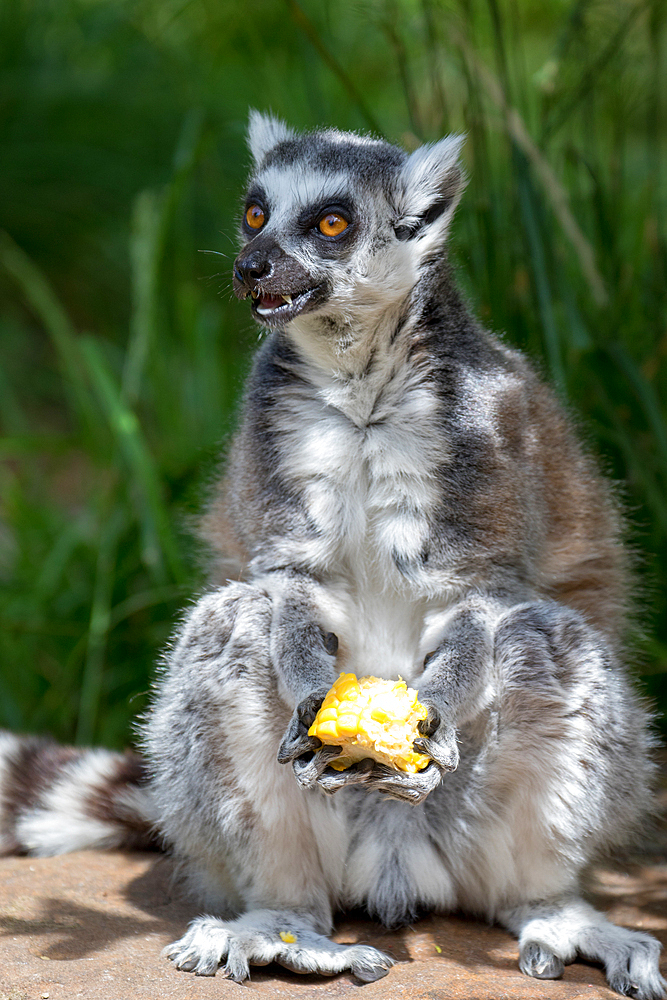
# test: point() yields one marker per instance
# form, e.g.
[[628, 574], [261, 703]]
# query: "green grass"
[[122, 353]]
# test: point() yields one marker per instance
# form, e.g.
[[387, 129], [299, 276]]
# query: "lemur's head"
[[336, 226]]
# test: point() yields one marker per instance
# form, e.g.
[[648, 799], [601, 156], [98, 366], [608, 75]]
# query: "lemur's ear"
[[428, 189], [265, 132]]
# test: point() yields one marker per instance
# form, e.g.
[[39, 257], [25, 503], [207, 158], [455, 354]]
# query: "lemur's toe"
[[540, 962]]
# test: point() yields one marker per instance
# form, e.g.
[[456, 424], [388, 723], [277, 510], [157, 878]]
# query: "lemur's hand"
[[310, 759], [296, 740], [377, 777], [438, 739], [308, 756], [312, 771]]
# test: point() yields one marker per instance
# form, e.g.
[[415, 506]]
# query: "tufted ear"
[[428, 189], [265, 132]]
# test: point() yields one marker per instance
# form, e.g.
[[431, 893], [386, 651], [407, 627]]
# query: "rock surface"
[[93, 924]]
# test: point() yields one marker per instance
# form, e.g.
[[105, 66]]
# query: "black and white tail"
[[56, 799]]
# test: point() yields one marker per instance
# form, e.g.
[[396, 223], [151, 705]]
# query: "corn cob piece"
[[371, 717]]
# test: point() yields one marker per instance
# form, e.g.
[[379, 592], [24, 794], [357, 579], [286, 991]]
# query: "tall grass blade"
[[152, 214], [43, 301], [158, 541], [300, 18], [647, 396], [592, 73], [99, 625], [149, 224], [553, 189]]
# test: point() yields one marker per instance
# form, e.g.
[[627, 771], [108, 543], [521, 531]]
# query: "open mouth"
[[280, 309]]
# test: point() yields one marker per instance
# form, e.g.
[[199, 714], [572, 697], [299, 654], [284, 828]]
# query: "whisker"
[[218, 253]]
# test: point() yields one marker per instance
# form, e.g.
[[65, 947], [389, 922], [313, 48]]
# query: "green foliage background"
[[122, 353]]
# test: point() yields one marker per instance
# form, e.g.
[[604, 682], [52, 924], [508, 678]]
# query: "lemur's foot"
[[536, 960], [551, 935], [264, 936]]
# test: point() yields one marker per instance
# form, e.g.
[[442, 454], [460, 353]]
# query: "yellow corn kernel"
[[347, 725], [371, 717], [288, 937], [349, 690], [326, 731], [379, 715], [328, 713]]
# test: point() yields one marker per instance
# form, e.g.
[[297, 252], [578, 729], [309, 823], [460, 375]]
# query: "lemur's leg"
[[570, 769], [251, 840]]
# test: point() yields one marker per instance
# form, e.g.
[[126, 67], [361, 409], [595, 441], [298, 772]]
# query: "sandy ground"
[[93, 924]]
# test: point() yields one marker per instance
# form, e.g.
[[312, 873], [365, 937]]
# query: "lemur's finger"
[[296, 740], [411, 788], [429, 725], [331, 781], [307, 770], [443, 750], [294, 746], [306, 710]]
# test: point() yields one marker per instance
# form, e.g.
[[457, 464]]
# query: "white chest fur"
[[363, 451]]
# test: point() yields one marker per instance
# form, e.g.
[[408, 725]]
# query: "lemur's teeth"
[[255, 295], [288, 299]]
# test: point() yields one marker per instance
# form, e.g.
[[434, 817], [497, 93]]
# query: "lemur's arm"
[[457, 680], [303, 654]]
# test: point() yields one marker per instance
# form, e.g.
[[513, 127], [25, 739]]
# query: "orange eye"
[[332, 224], [255, 217]]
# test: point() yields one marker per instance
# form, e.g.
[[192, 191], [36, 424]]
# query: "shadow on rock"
[[78, 930]]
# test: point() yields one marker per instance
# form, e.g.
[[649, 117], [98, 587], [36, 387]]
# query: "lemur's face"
[[337, 226]]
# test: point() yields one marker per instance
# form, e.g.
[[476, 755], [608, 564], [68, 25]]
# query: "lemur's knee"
[[237, 614], [545, 642], [213, 702]]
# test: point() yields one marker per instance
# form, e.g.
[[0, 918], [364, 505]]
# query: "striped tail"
[[56, 799]]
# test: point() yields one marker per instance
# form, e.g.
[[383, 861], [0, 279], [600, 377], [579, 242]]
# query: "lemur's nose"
[[249, 269]]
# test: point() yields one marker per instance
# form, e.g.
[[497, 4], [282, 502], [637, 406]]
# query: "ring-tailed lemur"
[[404, 497]]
